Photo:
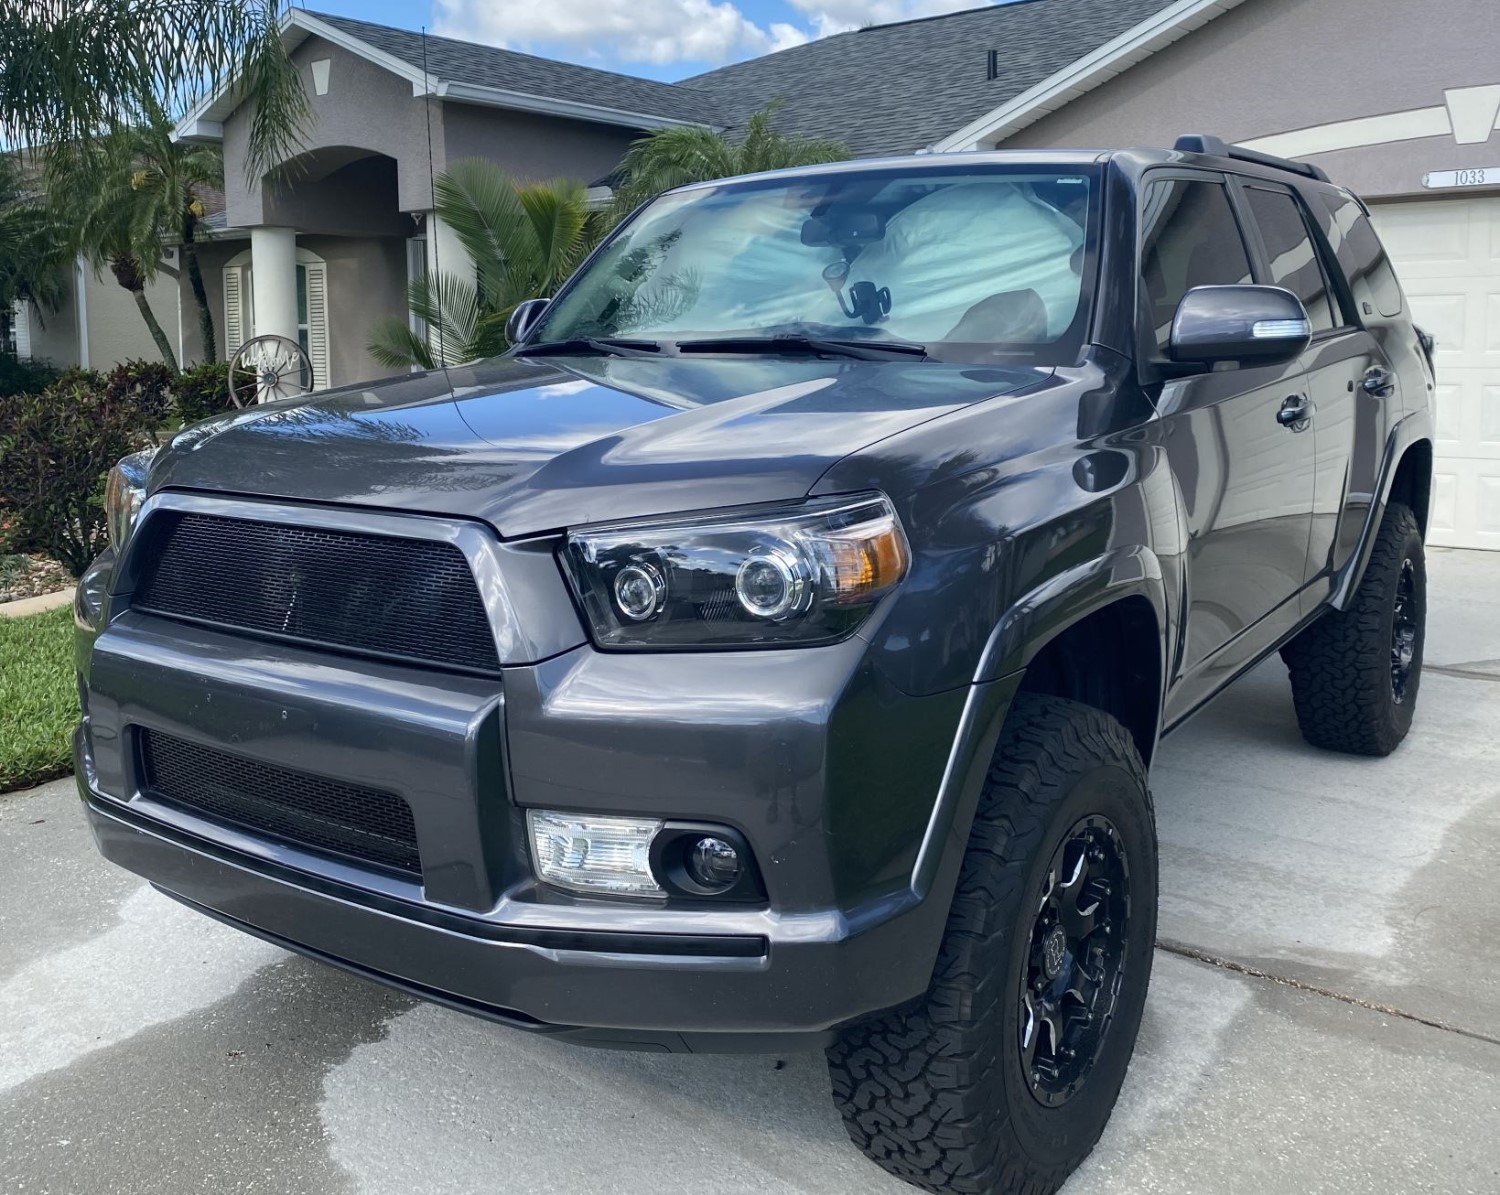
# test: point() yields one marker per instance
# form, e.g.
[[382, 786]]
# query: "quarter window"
[[1292, 255], [1362, 257], [1189, 238]]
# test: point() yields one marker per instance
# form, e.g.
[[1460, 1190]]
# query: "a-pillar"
[[273, 264]]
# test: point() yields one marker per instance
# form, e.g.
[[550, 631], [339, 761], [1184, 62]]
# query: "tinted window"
[[1361, 256], [1189, 238], [1293, 260]]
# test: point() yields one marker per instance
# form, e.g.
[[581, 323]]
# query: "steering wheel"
[[268, 368]]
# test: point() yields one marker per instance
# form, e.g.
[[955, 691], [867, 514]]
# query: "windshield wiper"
[[589, 346], [859, 350]]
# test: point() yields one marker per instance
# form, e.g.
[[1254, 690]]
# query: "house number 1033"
[[1480, 177]]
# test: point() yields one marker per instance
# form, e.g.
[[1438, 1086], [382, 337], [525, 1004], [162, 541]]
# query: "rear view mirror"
[[524, 318], [845, 227], [1264, 325]]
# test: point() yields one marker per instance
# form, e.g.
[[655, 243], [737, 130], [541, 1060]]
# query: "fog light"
[[607, 855], [714, 864]]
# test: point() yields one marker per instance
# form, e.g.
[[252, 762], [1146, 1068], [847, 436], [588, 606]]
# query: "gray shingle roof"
[[900, 87], [883, 89], [488, 66]]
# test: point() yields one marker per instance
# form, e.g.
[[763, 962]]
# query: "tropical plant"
[[33, 261], [75, 68], [58, 447], [523, 239], [161, 191], [678, 156], [88, 188], [122, 196]]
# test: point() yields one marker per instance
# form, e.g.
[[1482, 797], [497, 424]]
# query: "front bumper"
[[853, 796]]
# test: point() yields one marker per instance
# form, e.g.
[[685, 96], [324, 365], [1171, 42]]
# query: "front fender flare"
[[1065, 598]]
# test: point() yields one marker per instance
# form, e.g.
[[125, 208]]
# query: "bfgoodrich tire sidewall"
[[1055, 1135]]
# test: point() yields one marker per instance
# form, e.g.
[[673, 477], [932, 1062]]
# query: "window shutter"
[[21, 323], [234, 311], [317, 323]]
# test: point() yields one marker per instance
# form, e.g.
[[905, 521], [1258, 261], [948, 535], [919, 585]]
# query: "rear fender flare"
[[1412, 429]]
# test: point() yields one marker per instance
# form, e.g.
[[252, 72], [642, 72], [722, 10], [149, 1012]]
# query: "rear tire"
[[1355, 672], [945, 1093]]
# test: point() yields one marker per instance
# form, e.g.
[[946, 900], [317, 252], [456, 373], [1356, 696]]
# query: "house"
[[1400, 102]]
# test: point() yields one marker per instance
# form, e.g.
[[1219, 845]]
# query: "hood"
[[532, 446]]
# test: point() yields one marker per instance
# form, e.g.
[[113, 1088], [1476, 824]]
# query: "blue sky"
[[663, 39]]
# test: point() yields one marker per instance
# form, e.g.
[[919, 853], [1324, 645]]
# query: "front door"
[[1245, 470]]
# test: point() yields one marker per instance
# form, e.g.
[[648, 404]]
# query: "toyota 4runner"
[[770, 649]]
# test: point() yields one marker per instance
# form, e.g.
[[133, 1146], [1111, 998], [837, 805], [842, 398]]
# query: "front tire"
[[1355, 672], [1001, 1078]]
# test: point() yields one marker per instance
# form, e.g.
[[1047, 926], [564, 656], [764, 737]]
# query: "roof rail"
[[1203, 143]]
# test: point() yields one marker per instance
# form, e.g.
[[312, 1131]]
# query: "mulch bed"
[[24, 576]]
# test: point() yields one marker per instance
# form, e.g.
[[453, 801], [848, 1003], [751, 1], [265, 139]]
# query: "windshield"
[[971, 264]]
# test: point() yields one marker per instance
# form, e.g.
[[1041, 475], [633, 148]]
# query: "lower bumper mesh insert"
[[362, 824]]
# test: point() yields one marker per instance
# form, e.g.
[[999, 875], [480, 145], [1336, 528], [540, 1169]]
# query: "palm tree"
[[679, 156], [164, 197], [103, 195], [74, 68], [524, 240]]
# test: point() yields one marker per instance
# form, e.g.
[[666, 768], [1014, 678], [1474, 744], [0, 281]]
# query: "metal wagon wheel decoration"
[[268, 368]]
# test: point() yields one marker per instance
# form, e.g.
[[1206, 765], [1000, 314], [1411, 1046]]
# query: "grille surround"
[[366, 826], [382, 596]]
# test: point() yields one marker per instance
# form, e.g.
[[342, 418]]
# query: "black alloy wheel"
[[1406, 622], [1076, 960]]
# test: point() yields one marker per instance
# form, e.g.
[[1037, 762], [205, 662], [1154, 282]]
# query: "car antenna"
[[434, 289]]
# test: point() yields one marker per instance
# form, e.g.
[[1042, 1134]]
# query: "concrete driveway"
[[1324, 1014]]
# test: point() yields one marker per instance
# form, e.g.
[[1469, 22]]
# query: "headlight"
[[802, 576], [123, 494]]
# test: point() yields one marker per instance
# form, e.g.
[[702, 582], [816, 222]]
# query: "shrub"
[[25, 377], [58, 447], [203, 391]]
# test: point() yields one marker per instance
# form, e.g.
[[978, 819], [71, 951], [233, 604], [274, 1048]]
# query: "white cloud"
[[617, 32], [836, 16]]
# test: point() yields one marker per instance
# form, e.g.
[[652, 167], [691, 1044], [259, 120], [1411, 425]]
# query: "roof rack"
[[1203, 143]]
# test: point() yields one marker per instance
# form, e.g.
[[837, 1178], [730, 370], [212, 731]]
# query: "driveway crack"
[[1182, 950], [1476, 670]]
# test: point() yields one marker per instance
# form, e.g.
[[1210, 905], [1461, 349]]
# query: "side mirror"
[[1261, 325], [524, 318]]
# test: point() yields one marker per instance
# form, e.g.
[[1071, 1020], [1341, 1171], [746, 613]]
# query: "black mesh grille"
[[378, 595], [364, 824]]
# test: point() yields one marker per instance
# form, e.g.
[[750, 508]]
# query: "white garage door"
[[1447, 253]]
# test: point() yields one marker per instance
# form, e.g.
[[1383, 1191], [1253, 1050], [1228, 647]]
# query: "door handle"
[[1295, 412], [1381, 383]]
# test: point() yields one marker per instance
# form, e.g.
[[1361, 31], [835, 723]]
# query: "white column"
[[445, 252], [273, 266]]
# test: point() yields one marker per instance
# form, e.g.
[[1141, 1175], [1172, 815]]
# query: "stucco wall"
[[54, 334], [1273, 66], [116, 330], [366, 282], [532, 146], [367, 107], [212, 255]]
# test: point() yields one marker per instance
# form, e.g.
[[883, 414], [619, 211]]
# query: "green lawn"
[[38, 698]]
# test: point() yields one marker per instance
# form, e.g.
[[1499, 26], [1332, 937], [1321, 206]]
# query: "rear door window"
[[1189, 237], [1291, 255]]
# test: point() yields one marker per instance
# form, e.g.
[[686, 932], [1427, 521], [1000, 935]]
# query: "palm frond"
[[395, 346], [677, 157], [74, 69]]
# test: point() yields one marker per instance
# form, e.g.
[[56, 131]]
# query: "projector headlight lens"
[[803, 575]]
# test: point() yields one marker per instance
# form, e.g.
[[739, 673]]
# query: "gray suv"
[[769, 650]]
